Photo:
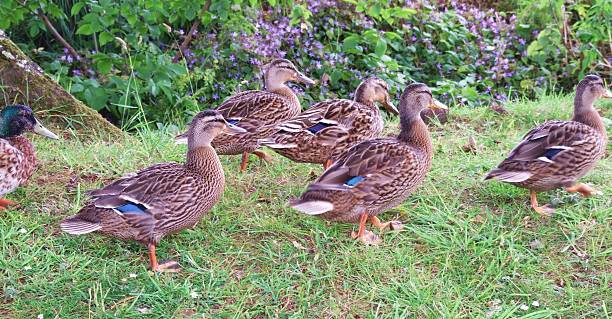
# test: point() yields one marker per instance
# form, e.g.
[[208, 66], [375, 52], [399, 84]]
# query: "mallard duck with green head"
[[161, 199], [558, 153], [377, 174], [17, 154]]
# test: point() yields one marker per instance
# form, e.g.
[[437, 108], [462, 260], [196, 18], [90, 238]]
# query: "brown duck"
[[254, 109], [558, 153], [376, 174], [161, 199], [327, 129]]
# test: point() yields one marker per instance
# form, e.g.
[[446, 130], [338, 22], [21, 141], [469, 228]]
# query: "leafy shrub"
[[469, 55]]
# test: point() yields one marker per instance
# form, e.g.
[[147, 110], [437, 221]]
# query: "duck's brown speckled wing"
[[552, 150], [165, 210], [11, 160], [326, 128], [384, 167], [255, 108]]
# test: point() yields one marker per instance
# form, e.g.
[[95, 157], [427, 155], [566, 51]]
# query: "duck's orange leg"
[[264, 157], [327, 164], [245, 161], [168, 266], [542, 210], [365, 236], [4, 203], [584, 189]]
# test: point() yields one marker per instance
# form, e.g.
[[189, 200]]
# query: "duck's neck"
[[414, 131], [590, 117], [27, 149], [284, 90], [203, 159], [365, 101]]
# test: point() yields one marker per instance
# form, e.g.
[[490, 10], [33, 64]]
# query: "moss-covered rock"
[[23, 81]]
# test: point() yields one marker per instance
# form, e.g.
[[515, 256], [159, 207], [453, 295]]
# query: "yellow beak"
[[437, 105], [389, 106]]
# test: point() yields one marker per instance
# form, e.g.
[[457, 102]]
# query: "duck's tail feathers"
[[311, 207], [77, 226], [507, 176]]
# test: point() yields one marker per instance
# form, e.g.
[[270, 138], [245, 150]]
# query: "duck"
[[377, 174], [17, 153], [253, 109], [161, 199], [556, 154], [328, 128]]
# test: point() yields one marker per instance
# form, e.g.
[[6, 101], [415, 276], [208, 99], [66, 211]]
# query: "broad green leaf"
[[469, 93], [85, 29], [381, 47], [76, 8], [374, 11], [350, 44], [77, 88], [104, 65], [105, 38]]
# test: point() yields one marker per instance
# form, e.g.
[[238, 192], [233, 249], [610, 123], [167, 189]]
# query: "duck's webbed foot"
[[165, 266], [368, 237], [584, 189], [264, 157], [544, 211], [365, 236], [168, 266], [392, 224], [4, 203]]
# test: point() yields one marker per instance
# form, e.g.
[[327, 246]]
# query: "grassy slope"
[[469, 247]]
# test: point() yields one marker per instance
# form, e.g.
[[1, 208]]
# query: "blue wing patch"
[[551, 152], [233, 121], [132, 208], [319, 126], [354, 181]]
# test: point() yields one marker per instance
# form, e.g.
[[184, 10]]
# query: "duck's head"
[[18, 119], [280, 71], [206, 125], [590, 89], [375, 90], [415, 98]]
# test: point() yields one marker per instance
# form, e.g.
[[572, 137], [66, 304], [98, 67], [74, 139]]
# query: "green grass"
[[469, 247]]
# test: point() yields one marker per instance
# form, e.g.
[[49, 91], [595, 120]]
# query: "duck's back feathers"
[[252, 110], [560, 151], [145, 206], [324, 131], [371, 176]]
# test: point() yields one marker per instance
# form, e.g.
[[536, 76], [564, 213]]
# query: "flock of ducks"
[[364, 176]]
